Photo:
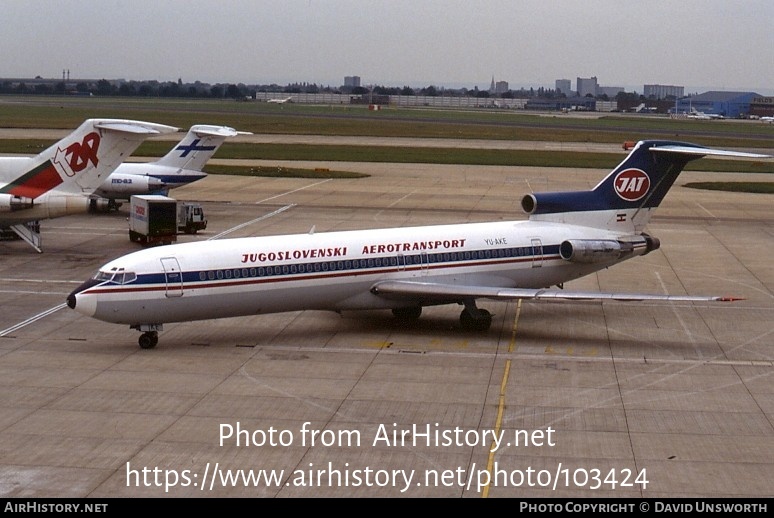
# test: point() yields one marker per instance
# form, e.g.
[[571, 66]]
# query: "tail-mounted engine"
[[10, 203], [103, 205], [606, 250], [128, 184], [555, 202]]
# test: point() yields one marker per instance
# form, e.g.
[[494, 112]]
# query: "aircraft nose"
[[72, 298]]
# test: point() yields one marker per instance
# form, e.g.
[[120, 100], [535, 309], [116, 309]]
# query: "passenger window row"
[[364, 264]]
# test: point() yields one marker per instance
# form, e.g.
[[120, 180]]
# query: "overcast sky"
[[698, 44]]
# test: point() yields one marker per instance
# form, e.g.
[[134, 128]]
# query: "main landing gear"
[[150, 334], [409, 314], [472, 318]]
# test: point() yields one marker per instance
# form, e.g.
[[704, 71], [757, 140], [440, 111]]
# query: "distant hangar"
[[732, 105]]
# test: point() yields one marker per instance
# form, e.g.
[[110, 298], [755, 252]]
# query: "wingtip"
[[730, 299]]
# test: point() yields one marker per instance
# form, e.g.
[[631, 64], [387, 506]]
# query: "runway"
[[567, 400]]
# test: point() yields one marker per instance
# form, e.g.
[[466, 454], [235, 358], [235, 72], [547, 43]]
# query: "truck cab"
[[190, 217]]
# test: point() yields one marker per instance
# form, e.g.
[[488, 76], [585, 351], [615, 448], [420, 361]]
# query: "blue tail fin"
[[625, 199]]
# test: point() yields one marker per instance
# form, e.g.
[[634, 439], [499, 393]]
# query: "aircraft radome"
[[567, 235]]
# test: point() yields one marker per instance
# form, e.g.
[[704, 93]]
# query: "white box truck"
[[153, 219]]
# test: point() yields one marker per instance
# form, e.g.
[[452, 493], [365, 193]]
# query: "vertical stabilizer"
[[81, 161], [197, 147], [625, 199]]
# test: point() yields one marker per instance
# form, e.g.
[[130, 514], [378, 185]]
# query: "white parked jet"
[[281, 101], [182, 165], [694, 114], [58, 181], [568, 235]]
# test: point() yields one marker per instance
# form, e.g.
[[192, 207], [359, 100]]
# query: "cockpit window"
[[103, 276], [116, 276], [122, 277]]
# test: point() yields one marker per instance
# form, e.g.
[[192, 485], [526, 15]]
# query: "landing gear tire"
[[480, 322], [148, 340], [407, 314]]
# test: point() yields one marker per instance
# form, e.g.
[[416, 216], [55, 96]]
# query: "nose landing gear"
[[150, 334], [149, 340]]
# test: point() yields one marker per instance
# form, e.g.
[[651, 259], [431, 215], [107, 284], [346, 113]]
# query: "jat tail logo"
[[78, 155], [631, 184]]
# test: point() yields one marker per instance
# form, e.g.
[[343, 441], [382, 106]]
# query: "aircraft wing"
[[437, 292]]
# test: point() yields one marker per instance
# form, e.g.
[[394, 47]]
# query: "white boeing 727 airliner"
[[568, 235]]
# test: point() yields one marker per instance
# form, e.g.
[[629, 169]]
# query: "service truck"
[[156, 219], [152, 219], [190, 217]]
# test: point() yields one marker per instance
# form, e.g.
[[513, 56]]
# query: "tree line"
[[104, 87]]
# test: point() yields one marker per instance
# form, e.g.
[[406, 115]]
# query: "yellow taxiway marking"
[[501, 404]]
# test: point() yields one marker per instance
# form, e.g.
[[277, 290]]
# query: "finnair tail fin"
[[626, 198], [197, 147]]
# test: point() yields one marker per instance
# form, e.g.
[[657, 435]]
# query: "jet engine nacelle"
[[10, 203], [554, 202], [57, 205], [128, 184], [605, 250], [102, 205]]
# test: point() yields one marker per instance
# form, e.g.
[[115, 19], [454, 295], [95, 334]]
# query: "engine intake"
[[528, 203], [102, 205]]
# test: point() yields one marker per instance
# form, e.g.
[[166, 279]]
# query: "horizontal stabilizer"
[[703, 151], [135, 127], [216, 131]]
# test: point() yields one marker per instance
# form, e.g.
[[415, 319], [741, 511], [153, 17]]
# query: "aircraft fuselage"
[[329, 271]]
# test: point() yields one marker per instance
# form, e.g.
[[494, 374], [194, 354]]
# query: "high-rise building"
[[564, 86], [352, 81], [587, 86], [498, 87]]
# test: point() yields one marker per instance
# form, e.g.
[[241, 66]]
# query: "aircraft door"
[[173, 276], [401, 262], [537, 252]]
